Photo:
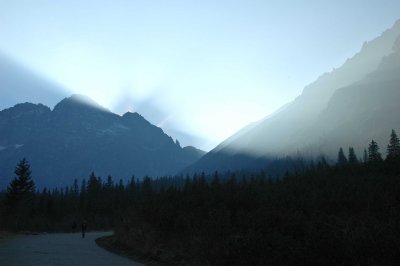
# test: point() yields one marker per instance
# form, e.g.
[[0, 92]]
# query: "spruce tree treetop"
[[373, 152], [393, 149], [352, 156], [22, 186], [342, 160], [93, 184], [75, 188]]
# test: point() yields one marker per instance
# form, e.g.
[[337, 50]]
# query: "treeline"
[[343, 214], [101, 203], [346, 214]]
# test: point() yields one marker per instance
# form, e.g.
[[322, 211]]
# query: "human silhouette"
[[84, 227]]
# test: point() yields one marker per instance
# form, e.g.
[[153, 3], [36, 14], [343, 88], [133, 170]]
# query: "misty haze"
[[212, 133]]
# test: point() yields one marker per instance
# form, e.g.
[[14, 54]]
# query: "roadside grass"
[[109, 244]]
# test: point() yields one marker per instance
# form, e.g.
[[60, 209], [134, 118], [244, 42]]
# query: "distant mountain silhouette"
[[348, 106], [79, 136]]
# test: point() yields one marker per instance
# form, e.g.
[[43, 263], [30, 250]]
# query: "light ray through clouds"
[[201, 68]]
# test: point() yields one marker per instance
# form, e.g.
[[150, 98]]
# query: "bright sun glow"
[[200, 69]]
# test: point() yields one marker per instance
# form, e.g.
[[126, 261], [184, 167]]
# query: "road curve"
[[58, 250]]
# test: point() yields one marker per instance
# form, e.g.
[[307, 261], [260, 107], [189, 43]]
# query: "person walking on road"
[[84, 227]]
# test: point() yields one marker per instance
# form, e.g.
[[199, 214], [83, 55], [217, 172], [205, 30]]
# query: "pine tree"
[[147, 187], [75, 188], [352, 156], [373, 152], [109, 185], [132, 184], [93, 193], [93, 185], [22, 186], [19, 196], [121, 186], [83, 188], [342, 160], [215, 183], [82, 193], [393, 149]]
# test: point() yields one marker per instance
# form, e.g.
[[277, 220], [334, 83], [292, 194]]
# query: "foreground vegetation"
[[325, 216], [347, 214]]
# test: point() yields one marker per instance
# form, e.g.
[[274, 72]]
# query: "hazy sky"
[[206, 67]]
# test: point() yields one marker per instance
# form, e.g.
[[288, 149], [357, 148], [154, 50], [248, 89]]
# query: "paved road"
[[58, 250]]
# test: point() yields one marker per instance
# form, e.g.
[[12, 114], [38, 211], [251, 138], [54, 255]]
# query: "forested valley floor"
[[343, 214]]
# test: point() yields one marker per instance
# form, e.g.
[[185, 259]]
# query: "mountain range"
[[349, 106], [79, 136]]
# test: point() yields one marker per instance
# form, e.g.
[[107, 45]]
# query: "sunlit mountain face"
[[347, 107]]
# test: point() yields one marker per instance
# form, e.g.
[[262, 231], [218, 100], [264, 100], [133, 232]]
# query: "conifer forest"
[[346, 213]]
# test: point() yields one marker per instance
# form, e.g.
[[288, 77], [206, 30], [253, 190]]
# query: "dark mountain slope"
[[78, 137]]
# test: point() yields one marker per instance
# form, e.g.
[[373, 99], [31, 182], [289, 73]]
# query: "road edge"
[[108, 243]]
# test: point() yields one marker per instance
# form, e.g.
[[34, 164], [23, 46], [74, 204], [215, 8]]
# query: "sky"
[[201, 70]]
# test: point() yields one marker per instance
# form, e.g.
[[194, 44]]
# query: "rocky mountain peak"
[[79, 137], [78, 102], [134, 118], [30, 107]]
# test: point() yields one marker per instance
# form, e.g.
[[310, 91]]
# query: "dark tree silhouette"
[[373, 152], [324, 215], [215, 183], [341, 160], [352, 156], [75, 188], [132, 184], [108, 186], [19, 197], [22, 186], [393, 149], [83, 188], [93, 185]]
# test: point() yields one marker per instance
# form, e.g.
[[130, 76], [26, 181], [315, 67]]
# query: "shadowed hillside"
[[79, 136]]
